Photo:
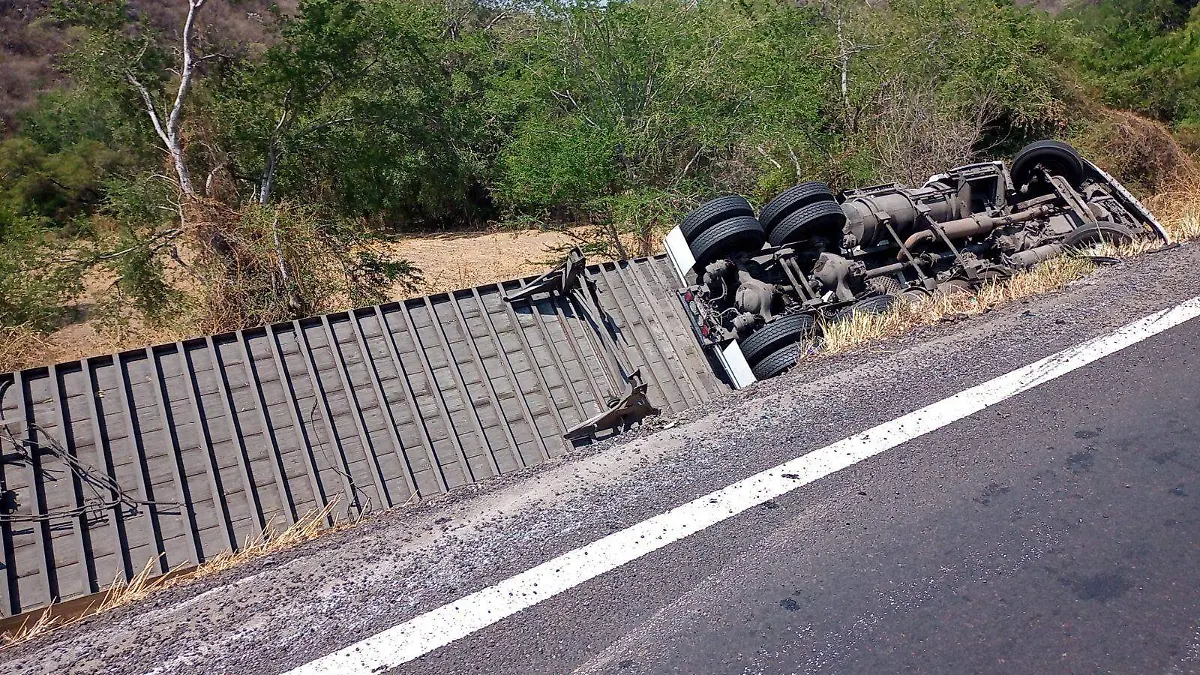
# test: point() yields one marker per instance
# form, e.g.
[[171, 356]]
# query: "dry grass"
[[307, 528], [1143, 153], [861, 329], [145, 583], [454, 260], [34, 626], [122, 592], [1177, 206], [21, 346]]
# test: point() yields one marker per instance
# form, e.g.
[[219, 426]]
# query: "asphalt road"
[[1056, 532], [1067, 541]]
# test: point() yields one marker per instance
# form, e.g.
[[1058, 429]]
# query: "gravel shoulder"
[[283, 610]]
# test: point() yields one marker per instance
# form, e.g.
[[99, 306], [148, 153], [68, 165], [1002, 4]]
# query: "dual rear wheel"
[[727, 225], [775, 346], [720, 228], [800, 212]]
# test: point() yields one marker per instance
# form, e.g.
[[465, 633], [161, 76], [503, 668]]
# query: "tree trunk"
[[169, 133]]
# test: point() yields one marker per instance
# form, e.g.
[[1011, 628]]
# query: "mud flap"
[[679, 253], [736, 366]]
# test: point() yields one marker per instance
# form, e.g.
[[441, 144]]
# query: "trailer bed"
[[182, 451]]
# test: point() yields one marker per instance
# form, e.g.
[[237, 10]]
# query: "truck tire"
[[791, 200], [770, 337], [825, 217], [1058, 157], [713, 212], [955, 286], [1096, 232], [736, 235], [777, 362], [875, 304]]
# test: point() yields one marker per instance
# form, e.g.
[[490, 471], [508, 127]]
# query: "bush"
[[258, 265], [36, 278], [1142, 56]]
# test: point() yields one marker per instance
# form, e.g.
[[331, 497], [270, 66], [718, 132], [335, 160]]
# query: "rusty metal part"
[[561, 280], [631, 407], [973, 225], [1035, 255], [572, 282]]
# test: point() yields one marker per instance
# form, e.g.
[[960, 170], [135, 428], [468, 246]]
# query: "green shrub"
[[36, 277]]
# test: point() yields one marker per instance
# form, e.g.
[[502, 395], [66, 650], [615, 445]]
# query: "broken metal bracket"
[[572, 282], [559, 281], [623, 411]]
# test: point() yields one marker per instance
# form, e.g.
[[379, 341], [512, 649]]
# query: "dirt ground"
[[453, 260], [448, 260]]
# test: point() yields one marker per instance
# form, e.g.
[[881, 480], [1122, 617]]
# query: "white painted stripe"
[[440, 627]]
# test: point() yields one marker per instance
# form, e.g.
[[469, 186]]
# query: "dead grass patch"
[[860, 329], [145, 583], [1177, 206], [307, 528], [1143, 153], [21, 346]]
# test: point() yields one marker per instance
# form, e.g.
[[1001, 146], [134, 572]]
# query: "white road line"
[[441, 626]]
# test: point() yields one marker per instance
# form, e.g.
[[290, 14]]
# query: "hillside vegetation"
[[218, 164]]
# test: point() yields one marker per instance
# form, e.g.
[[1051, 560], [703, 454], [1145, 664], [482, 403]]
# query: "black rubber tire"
[[791, 200], [770, 337], [736, 235], [713, 212], [1058, 157], [875, 304], [821, 216], [955, 287], [1096, 232], [777, 362]]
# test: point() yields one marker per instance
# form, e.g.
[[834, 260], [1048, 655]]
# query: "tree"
[[618, 105], [36, 279], [250, 261], [1143, 56], [369, 107], [168, 130]]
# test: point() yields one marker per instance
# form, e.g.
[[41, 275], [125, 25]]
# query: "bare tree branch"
[[150, 110], [185, 84], [268, 177], [210, 183], [169, 132], [691, 161], [503, 13]]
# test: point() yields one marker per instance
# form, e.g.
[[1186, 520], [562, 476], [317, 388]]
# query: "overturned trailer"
[[759, 285], [175, 453]]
